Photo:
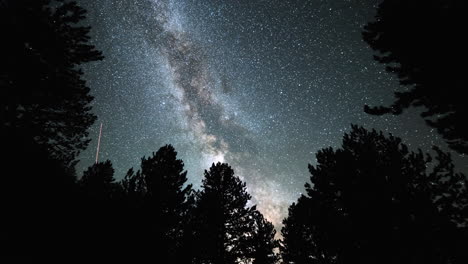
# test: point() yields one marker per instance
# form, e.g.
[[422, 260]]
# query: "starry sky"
[[261, 85]]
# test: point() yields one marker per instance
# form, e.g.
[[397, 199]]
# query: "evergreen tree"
[[44, 115], [263, 242], [420, 42], [43, 96], [373, 201], [298, 245], [167, 200], [224, 221], [97, 211], [133, 188], [98, 181]]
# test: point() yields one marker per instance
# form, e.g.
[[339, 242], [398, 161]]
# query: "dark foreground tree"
[[298, 245], [133, 188], [44, 115], [263, 242], [42, 91], [97, 218], [98, 182], [420, 41], [224, 221], [168, 200], [373, 201], [160, 201]]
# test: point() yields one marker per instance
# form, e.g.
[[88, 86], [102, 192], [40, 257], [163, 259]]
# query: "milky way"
[[261, 85]]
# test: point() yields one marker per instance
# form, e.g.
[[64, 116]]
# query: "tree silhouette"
[[224, 221], [98, 181], [300, 233], [44, 115], [43, 94], [36, 201], [373, 201], [263, 242], [161, 187], [133, 188], [97, 217], [420, 42]]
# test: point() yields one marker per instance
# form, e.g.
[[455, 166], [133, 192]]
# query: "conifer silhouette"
[[43, 94], [420, 42], [223, 218], [164, 199], [44, 116], [98, 181], [263, 242], [373, 201]]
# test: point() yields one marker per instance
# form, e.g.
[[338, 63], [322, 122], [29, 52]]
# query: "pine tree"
[[223, 218], [373, 201], [133, 188], [167, 199], [45, 113], [299, 232], [263, 242], [97, 211], [98, 181], [43, 96], [420, 42]]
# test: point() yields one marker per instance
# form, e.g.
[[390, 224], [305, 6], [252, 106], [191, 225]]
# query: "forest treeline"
[[370, 201]]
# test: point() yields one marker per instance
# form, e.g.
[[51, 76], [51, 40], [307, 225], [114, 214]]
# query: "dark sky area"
[[261, 85]]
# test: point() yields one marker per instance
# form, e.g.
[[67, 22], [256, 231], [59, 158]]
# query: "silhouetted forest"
[[370, 201]]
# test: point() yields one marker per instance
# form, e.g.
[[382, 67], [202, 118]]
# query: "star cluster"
[[261, 85]]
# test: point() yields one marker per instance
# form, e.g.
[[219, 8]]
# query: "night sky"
[[261, 85]]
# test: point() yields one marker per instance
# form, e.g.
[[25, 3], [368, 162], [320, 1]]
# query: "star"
[[261, 85]]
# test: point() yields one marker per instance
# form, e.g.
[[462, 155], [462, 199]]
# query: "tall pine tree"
[[167, 201], [44, 116], [373, 201], [224, 221], [263, 242], [98, 181], [420, 42], [43, 95], [299, 245], [97, 211]]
